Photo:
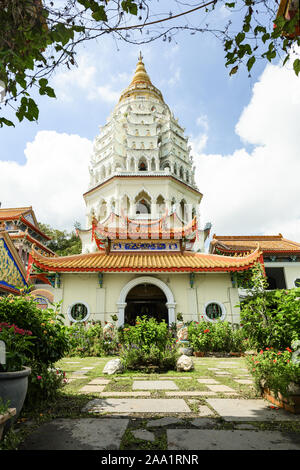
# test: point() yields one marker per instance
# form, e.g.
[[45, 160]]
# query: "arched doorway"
[[122, 303], [145, 299]]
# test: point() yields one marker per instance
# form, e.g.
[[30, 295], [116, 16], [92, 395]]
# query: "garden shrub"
[[272, 318], [147, 345], [216, 336], [49, 342], [87, 339], [44, 383], [275, 370]]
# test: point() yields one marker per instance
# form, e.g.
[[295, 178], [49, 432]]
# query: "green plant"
[[274, 370], [215, 336], [17, 344], [4, 406], [50, 340], [148, 344], [271, 318], [44, 383]]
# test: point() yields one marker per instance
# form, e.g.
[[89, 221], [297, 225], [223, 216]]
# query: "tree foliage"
[[37, 36], [62, 242]]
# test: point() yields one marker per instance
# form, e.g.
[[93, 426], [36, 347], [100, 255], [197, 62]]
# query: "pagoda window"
[[187, 177], [181, 173], [143, 203], [132, 165], [102, 172], [160, 205], [153, 166], [193, 212], [103, 210], [143, 165], [175, 169], [183, 209]]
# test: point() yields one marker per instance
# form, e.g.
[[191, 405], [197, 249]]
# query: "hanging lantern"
[[288, 9]]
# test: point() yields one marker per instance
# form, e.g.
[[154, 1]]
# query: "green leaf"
[[100, 14], [239, 38], [250, 63], [130, 7], [296, 66], [234, 70], [6, 122]]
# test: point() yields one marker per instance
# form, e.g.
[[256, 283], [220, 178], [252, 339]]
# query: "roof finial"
[[140, 56]]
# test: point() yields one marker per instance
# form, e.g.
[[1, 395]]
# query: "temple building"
[[281, 256], [19, 230], [143, 245]]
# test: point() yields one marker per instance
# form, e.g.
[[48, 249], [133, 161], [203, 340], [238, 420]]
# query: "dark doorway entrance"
[[276, 279], [146, 299]]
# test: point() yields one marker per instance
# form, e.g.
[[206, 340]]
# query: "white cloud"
[[258, 192], [52, 181], [85, 78]]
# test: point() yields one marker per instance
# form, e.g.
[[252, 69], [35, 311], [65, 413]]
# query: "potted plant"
[[5, 414], [277, 376], [14, 371]]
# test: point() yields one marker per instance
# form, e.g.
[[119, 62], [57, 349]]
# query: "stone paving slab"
[[87, 368], [154, 385], [99, 381], [78, 434], [125, 394], [244, 381], [208, 381], [211, 439], [192, 393], [234, 409], [92, 388], [144, 435], [220, 388], [137, 405], [205, 411], [167, 421], [222, 373]]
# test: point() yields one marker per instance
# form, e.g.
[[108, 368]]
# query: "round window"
[[214, 311], [79, 312]]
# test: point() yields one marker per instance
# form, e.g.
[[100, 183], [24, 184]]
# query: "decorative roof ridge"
[[247, 237]]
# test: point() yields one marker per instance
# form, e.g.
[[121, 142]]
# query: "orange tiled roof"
[[119, 262], [13, 212], [266, 243], [20, 235]]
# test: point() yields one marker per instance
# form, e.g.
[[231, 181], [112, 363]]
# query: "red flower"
[[275, 360], [39, 377], [261, 351], [279, 352], [288, 349]]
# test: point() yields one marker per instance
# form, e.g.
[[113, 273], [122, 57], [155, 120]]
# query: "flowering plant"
[[17, 342], [275, 370]]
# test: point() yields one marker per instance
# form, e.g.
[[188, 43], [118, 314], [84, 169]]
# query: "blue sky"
[[239, 138]]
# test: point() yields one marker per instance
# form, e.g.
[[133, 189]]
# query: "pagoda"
[[143, 245]]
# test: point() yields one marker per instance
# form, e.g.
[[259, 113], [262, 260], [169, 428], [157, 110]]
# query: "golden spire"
[[141, 83], [140, 75]]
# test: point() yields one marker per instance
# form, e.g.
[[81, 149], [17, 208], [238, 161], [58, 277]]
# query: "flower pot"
[[13, 387], [4, 418], [290, 403], [199, 354]]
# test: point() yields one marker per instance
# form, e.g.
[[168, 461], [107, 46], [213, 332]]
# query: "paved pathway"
[[195, 412]]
